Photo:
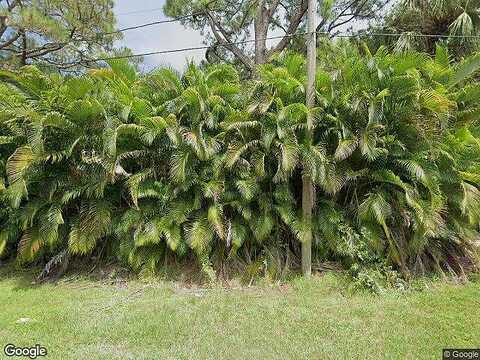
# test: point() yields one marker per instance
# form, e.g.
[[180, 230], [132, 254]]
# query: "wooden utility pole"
[[308, 190]]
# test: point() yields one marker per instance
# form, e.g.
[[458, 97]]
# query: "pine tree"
[[56, 34]]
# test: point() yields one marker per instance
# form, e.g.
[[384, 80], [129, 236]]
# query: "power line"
[[244, 42], [140, 26], [412, 34], [193, 48], [168, 21], [192, 15]]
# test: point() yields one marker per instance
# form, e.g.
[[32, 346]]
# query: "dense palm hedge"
[[206, 165]]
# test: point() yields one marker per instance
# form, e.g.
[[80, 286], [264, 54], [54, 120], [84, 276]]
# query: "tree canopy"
[[228, 24], [56, 33]]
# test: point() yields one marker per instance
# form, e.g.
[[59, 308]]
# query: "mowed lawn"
[[312, 319]]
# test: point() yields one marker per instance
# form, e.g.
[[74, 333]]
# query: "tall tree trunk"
[[308, 191], [261, 30]]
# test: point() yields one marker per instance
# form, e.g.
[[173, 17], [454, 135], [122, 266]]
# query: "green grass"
[[313, 319]]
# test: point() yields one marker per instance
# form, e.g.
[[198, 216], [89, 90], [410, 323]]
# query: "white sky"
[[156, 37]]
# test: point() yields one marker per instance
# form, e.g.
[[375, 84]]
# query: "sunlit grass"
[[312, 319]]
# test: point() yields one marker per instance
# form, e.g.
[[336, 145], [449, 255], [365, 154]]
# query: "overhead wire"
[[249, 41], [227, 44], [159, 22]]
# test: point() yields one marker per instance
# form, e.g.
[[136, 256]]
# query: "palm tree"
[[204, 165], [455, 20], [60, 173], [392, 114], [177, 188]]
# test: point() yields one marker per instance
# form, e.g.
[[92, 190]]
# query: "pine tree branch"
[[273, 8], [4, 25], [292, 28], [351, 15], [10, 41], [44, 50], [223, 38], [246, 15]]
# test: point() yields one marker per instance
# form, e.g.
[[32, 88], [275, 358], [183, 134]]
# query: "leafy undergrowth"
[[124, 318]]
